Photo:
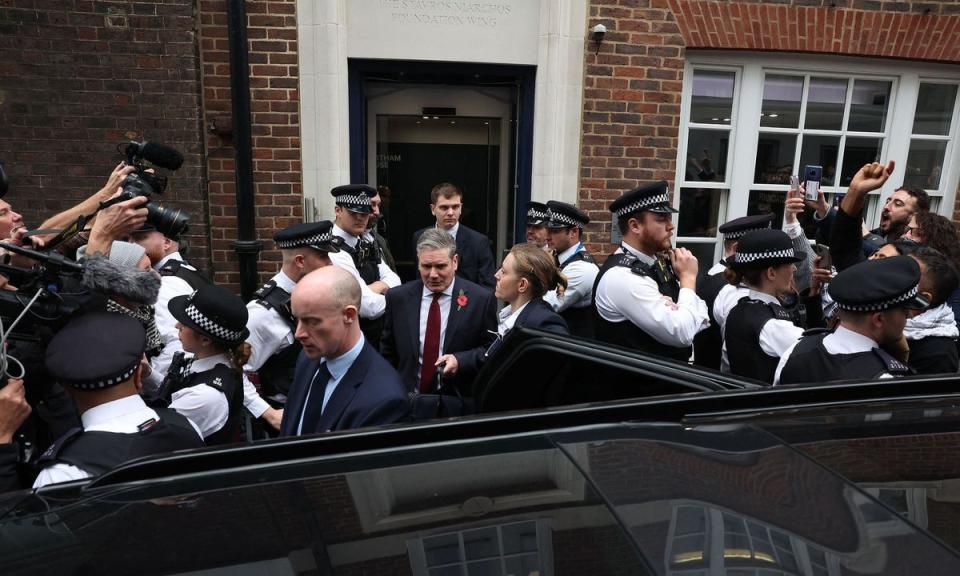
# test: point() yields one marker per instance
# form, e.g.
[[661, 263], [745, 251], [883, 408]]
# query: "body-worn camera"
[[171, 222]]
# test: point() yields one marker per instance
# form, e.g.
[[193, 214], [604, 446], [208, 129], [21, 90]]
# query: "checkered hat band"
[[537, 214], [644, 203], [108, 382], [315, 239], [351, 200], [878, 306], [564, 219], [747, 257], [737, 234], [211, 327]]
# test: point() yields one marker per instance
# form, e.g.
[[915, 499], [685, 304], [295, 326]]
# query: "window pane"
[[781, 101], [442, 549], [699, 208], [484, 568], [765, 202], [775, 158], [712, 97], [868, 110], [446, 571], [527, 565], [705, 253], [934, 109], [821, 151], [690, 520], [856, 153], [924, 164], [825, 104], [481, 543], [519, 538], [707, 155]]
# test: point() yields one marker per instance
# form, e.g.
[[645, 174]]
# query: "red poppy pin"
[[462, 300]]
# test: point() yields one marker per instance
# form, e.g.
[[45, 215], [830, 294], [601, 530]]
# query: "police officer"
[[759, 329], [707, 344], [536, 224], [644, 297], [97, 358], [565, 224], [178, 278], [305, 247], [213, 327], [873, 299], [362, 257]]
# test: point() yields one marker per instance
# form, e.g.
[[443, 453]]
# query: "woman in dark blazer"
[[525, 276]]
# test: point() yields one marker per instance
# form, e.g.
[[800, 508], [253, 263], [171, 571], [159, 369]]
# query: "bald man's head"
[[326, 303]]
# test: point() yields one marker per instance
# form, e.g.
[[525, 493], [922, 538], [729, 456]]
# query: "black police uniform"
[[870, 286], [708, 344]]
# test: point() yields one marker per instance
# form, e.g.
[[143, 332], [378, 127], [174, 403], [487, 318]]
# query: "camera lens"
[[171, 222]]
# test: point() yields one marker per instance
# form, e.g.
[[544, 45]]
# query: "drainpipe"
[[246, 245]]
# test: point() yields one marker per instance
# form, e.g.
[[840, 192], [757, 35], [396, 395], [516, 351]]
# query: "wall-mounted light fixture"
[[597, 33]]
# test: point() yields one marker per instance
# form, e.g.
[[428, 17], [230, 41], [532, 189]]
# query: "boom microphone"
[[157, 154], [106, 277]]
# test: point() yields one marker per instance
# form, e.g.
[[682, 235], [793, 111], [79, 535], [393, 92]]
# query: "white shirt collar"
[[562, 257], [448, 291], [167, 258], [453, 231], [648, 260], [98, 415], [284, 282], [204, 364], [349, 238], [764, 297], [854, 340], [717, 268], [510, 320]]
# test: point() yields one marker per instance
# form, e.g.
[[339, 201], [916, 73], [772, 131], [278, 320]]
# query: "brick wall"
[[77, 77], [275, 128], [632, 86]]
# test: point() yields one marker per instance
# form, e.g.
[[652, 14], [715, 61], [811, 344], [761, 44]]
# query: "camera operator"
[[14, 410]]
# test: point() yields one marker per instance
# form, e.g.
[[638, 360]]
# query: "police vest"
[[228, 382], [580, 320], [186, 272], [97, 452], [366, 257], [708, 343], [742, 336], [276, 374], [810, 362], [627, 333]]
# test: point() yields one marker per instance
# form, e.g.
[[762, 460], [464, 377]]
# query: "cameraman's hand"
[[115, 180], [13, 409], [116, 221]]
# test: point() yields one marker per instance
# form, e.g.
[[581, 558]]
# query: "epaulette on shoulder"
[[893, 365], [816, 331]]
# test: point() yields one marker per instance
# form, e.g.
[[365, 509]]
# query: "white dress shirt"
[[625, 296], [506, 323], [841, 341], [123, 416], [338, 368], [445, 301], [269, 334], [580, 279], [170, 288], [727, 298], [372, 305], [777, 336], [205, 406]]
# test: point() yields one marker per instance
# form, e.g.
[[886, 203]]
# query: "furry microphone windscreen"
[[102, 275]]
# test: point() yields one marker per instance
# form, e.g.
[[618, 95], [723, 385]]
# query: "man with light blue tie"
[[340, 382]]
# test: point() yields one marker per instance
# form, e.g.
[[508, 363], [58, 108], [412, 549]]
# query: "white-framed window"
[[749, 121], [518, 548]]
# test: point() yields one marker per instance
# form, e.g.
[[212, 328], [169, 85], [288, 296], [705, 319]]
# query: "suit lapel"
[[294, 408], [453, 320], [412, 313], [344, 391]]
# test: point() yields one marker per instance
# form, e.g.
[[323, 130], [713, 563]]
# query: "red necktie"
[[431, 345]]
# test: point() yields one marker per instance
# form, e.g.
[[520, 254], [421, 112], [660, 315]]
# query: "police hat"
[[563, 215], [536, 213], [650, 198], [877, 285], [214, 312], [96, 350], [738, 227], [354, 197], [763, 248], [316, 235]]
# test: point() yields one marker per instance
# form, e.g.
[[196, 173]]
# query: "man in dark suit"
[[438, 319], [340, 381], [473, 248]]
